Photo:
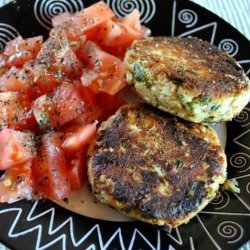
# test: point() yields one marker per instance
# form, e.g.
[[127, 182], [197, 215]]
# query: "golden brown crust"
[[195, 64], [155, 164]]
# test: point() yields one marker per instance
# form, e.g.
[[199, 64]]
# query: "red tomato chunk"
[[10, 81], [86, 21], [15, 148], [57, 56], [15, 111], [58, 107], [106, 72], [19, 51], [79, 138], [16, 183], [76, 167], [50, 170]]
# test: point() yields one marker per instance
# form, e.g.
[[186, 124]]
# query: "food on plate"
[[187, 77], [54, 94], [154, 167]]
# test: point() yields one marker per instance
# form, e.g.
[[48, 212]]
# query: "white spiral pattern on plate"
[[188, 17], [230, 230], [241, 161], [248, 187], [243, 116], [7, 33], [45, 10], [221, 201], [121, 8], [230, 46]]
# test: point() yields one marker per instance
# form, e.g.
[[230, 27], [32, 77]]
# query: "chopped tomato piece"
[[116, 35], [57, 56], [79, 138], [12, 47], [33, 44], [18, 51], [110, 33], [106, 72], [19, 58], [3, 66], [67, 62], [89, 115], [58, 107], [93, 16], [50, 170], [77, 46], [132, 19], [10, 81], [17, 45], [61, 18], [2, 61], [16, 183], [76, 166], [90, 79], [15, 148], [15, 111], [39, 78], [32, 80], [87, 21]]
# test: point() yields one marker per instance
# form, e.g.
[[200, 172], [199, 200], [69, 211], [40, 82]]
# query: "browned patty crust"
[[155, 167], [195, 64]]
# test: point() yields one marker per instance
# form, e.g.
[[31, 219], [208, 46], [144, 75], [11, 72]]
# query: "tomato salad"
[[54, 95]]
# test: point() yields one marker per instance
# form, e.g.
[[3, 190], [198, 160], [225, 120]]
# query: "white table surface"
[[235, 12]]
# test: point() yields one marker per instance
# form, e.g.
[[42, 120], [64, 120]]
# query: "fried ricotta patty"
[[154, 167], [187, 77]]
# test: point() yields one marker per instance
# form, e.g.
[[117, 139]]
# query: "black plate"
[[224, 224]]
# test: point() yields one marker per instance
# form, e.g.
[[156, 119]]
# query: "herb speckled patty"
[[187, 77], [154, 167]]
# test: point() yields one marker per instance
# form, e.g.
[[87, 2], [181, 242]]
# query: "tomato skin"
[[15, 111], [58, 107], [50, 170], [76, 166], [79, 138], [105, 73], [15, 148], [16, 184]]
